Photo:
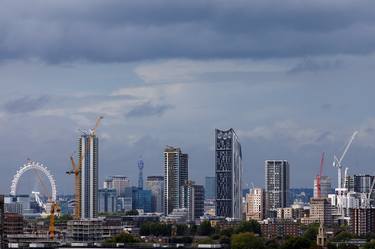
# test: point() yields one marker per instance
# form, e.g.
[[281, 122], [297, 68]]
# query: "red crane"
[[319, 176]]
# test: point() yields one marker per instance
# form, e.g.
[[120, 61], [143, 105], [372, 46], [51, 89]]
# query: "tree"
[[181, 229], [272, 244], [311, 232], [123, 238], [296, 243], [205, 228], [251, 226], [369, 245], [343, 236], [246, 241], [131, 212]]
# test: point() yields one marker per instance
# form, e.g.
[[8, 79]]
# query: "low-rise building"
[[280, 228], [85, 230]]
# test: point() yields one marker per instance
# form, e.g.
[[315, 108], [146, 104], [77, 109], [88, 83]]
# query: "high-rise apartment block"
[[277, 184], [156, 185], [210, 188], [194, 200], [117, 182], [228, 169], [175, 176], [325, 187], [255, 204], [89, 158]]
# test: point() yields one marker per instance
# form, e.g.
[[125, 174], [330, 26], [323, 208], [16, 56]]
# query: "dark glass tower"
[[228, 167]]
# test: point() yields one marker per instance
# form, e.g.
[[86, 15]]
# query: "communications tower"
[[140, 176]]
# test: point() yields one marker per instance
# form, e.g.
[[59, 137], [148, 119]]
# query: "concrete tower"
[[88, 149]]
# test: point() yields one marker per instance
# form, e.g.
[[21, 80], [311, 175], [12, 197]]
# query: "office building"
[[89, 149], [117, 182], [255, 204], [228, 169], [210, 188], [107, 200], [277, 184], [156, 185], [136, 198], [362, 221], [325, 187], [175, 175], [194, 200]]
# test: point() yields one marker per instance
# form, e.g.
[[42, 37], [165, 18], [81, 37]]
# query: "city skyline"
[[156, 84]]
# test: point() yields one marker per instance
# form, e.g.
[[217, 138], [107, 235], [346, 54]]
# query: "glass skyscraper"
[[210, 188], [228, 168]]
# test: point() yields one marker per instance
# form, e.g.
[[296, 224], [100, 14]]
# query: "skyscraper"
[[88, 149], [277, 184], [156, 185], [175, 175], [210, 188], [228, 167]]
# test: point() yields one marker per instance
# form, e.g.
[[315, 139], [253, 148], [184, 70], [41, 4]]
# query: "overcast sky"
[[294, 78]]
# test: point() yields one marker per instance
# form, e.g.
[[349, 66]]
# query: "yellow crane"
[[76, 171], [55, 208]]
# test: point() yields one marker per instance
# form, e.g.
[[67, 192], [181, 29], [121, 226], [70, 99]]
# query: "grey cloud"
[[148, 109], [310, 65], [121, 31], [25, 104]]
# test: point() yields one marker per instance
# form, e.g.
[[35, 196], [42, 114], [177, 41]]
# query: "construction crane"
[[337, 162], [55, 208], [318, 177], [97, 123], [76, 171]]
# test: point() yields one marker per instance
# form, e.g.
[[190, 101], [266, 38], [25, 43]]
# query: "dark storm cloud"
[[148, 109], [25, 104], [120, 31]]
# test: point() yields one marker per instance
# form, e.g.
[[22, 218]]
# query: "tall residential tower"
[[88, 149], [175, 175], [228, 168], [277, 184]]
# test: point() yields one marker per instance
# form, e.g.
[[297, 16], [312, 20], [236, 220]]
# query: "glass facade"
[[228, 167]]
